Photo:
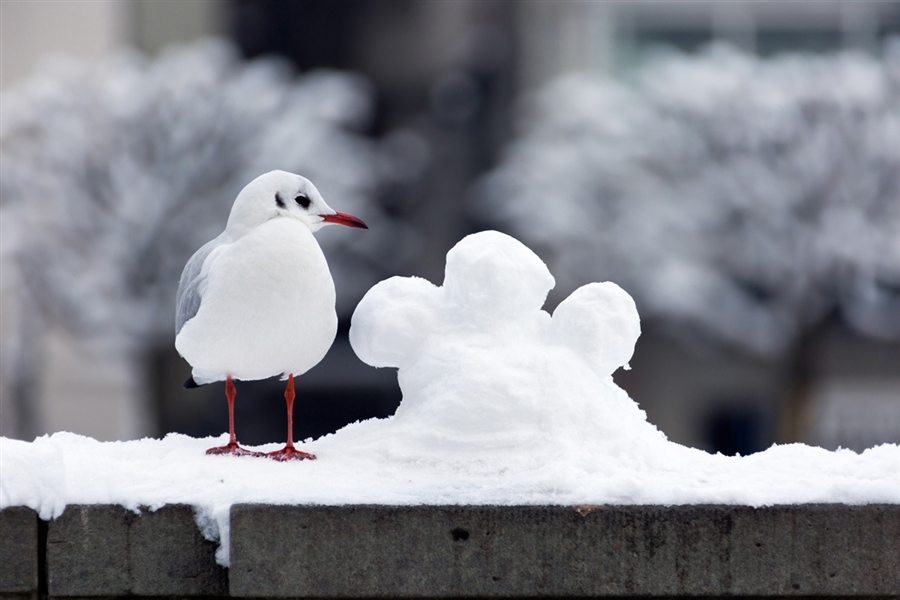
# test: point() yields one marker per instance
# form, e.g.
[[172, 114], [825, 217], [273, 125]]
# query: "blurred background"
[[735, 166]]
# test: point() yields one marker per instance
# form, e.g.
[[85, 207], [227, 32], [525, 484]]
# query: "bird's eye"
[[303, 201]]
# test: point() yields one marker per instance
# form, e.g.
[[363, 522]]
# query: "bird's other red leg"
[[289, 452], [232, 446]]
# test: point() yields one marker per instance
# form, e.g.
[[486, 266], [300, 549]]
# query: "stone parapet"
[[826, 550], [553, 551], [110, 551], [19, 553]]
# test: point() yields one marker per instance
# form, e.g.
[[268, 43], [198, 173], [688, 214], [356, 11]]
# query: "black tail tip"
[[190, 383]]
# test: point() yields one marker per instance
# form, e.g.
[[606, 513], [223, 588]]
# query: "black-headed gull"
[[258, 300]]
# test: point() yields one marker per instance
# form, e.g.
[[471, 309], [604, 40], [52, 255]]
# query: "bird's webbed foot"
[[233, 449], [290, 453]]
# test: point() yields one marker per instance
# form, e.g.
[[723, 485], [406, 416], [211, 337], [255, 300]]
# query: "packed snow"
[[502, 404]]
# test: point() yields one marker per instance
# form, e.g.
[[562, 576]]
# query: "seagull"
[[258, 300]]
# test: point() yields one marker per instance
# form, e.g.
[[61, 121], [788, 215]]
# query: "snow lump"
[[488, 375]]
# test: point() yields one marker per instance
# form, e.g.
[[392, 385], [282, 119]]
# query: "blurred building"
[[446, 75], [557, 37]]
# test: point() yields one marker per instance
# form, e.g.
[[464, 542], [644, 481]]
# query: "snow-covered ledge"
[[458, 551], [514, 466]]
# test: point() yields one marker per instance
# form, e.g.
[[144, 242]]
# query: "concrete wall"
[[458, 551]]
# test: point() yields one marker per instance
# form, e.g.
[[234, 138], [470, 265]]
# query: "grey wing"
[[188, 300]]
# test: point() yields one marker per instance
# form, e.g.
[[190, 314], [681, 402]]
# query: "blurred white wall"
[[32, 30], [159, 23], [558, 37]]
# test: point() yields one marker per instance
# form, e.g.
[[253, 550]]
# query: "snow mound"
[[486, 373]]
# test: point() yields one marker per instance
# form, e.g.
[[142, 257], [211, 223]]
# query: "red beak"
[[344, 219]]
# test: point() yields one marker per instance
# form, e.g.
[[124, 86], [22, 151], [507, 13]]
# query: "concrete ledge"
[[19, 553], [110, 551], [463, 551], [426, 551]]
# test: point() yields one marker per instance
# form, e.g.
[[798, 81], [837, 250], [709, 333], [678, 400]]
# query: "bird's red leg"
[[289, 452], [232, 446]]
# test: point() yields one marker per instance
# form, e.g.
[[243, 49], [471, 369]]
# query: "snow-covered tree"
[[745, 197], [114, 174]]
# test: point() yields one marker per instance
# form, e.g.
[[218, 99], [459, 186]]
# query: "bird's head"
[[281, 194]]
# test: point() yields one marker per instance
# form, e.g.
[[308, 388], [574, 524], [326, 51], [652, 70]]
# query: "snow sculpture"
[[482, 367]]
